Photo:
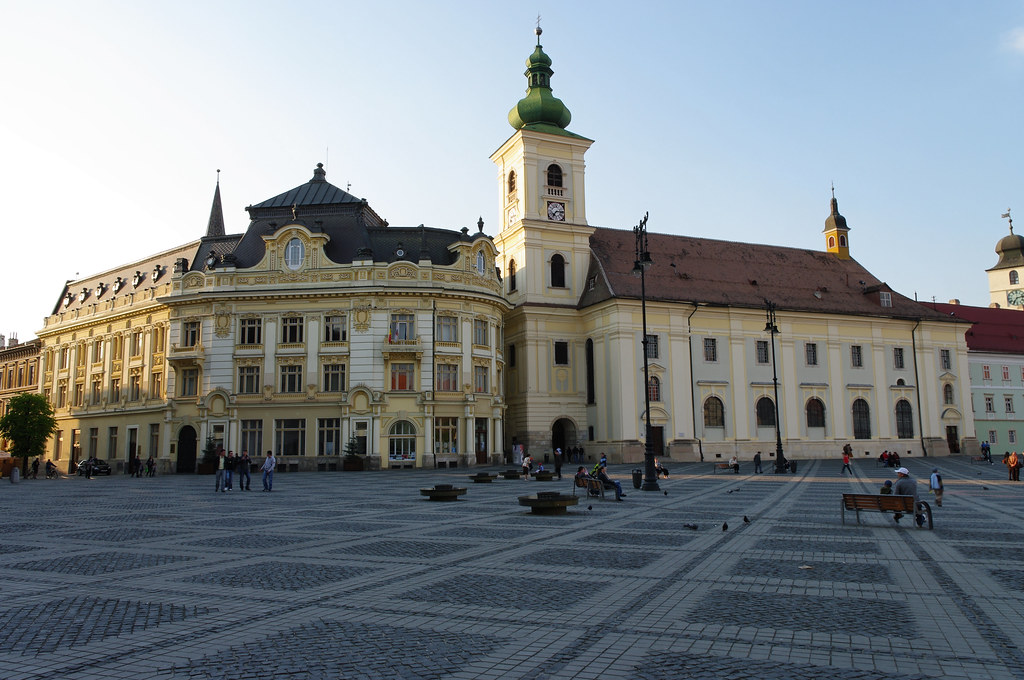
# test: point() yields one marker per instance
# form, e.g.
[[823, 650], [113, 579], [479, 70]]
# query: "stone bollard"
[[15, 475]]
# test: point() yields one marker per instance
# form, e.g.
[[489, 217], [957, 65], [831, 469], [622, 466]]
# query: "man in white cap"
[[906, 486]]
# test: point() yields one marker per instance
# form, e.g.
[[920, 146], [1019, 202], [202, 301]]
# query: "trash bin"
[[792, 466], [638, 478]]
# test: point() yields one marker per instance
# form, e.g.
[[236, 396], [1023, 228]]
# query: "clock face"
[[1015, 297], [556, 211]]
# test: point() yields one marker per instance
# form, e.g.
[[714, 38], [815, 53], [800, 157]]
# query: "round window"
[[294, 254]]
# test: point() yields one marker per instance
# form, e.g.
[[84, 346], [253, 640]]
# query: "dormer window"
[[294, 254], [118, 283], [84, 293], [68, 298], [554, 176], [137, 279], [101, 288], [157, 272], [885, 298]]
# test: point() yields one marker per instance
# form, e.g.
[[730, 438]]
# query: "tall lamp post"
[[770, 327], [641, 264]]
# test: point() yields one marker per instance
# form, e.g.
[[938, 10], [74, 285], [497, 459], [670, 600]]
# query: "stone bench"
[[545, 476], [548, 502], [443, 492], [511, 474], [483, 477]]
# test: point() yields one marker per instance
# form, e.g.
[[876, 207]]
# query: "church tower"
[[1005, 287], [837, 240]]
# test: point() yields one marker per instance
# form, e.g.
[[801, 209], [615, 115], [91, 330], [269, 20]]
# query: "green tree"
[[28, 424]]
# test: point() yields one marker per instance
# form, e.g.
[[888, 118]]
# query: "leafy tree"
[[28, 424]]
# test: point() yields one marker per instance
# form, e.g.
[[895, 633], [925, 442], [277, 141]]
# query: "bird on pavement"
[[725, 526], [745, 520], [691, 527]]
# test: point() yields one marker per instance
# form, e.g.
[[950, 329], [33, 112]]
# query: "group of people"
[[135, 466], [599, 476], [889, 459], [1013, 463], [229, 464], [907, 486]]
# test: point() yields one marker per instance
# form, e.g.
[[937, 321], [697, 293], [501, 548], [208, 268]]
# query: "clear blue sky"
[[722, 119]]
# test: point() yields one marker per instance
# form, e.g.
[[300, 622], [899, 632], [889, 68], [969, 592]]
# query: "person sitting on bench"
[[584, 480]]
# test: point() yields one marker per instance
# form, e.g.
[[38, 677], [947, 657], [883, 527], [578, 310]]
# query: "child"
[[887, 487]]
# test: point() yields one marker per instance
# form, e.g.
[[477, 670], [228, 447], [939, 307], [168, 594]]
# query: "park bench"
[[588, 487], [724, 467], [871, 502]]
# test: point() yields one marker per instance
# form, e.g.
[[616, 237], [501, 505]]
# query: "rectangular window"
[[652, 346], [135, 385], [291, 378], [897, 358], [944, 361], [1008, 402], [248, 379], [189, 382], [856, 356], [1006, 372], [446, 435], [328, 437], [156, 386], [335, 328], [986, 373], [511, 356], [447, 329], [811, 351], [992, 438], [154, 440], [94, 442], [117, 344], [710, 349], [334, 378], [63, 360], [561, 353], [885, 298], [250, 332], [480, 334], [189, 336], [115, 389], [292, 330], [290, 436], [58, 444], [79, 394], [80, 355], [403, 328], [447, 378], [990, 405], [97, 351], [111, 443], [62, 394], [158, 340], [135, 344], [480, 379], [762, 351], [402, 375], [1011, 436], [252, 437]]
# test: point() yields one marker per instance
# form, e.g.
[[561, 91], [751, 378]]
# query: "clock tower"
[[1006, 278]]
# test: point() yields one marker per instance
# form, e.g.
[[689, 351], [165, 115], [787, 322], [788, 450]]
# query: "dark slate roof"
[[994, 330], [219, 246], [317, 191], [728, 273]]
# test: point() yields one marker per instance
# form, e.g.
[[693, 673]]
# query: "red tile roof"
[[994, 330]]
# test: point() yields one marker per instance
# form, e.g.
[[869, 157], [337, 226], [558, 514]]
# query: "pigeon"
[[746, 520], [725, 526], [691, 527], [729, 491], [666, 493], [590, 507], [985, 488]]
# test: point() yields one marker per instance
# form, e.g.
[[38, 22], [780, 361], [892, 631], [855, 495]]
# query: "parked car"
[[99, 467]]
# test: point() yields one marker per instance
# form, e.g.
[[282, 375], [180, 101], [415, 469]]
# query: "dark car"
[[99, 467]]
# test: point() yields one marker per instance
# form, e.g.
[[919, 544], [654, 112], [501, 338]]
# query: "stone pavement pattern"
[[355, 575]]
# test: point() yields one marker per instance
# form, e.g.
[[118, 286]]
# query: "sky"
[[728, 120]]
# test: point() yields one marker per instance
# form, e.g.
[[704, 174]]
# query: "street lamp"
[[770, 327], [641, 264]]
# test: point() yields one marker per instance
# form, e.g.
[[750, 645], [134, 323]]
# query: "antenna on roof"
[[327, 155], [348, 186]]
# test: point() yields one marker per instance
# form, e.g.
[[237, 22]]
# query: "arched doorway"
[[187, 441], [563, 436]]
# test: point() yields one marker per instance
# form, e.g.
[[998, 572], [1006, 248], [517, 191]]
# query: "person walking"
[[268, 471], [527, 466], [935, 483], [1015, 466], [230, 463], [1010, 461], [846, 462], [35, 469], [757, 463], [558, 462], [218, 482], [150, 466], [244, 478]]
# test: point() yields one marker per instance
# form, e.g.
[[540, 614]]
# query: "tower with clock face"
[[1006, 278], [544, 238]]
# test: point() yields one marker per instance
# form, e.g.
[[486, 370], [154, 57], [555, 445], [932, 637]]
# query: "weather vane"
[[1006, 216]]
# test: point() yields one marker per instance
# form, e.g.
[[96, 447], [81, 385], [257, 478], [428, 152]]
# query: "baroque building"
[[19, 372]]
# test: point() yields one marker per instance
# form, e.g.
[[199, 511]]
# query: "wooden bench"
[[721, 466], [885, 503], [588, 487]]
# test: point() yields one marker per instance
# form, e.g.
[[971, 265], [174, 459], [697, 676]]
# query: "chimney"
[[954, 301]]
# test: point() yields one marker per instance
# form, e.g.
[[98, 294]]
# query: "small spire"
[[538, 30], [480, 224], [1006, 216], [215, 227]]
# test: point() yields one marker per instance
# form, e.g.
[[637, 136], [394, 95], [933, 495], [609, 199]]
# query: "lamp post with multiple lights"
[[641, 264], [770, 327]]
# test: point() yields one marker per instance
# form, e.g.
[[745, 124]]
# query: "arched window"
[[714, 412], [402, 441], [904, 420], [842, 240], [861, 419], [557, 271], [815, 412], [591, 391], [511, 275], [481, 262], [1014, 278], [294, 253], [831, 241], [511, 181], [554, 176], [765, 409], [947, 394], [654, 389]]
